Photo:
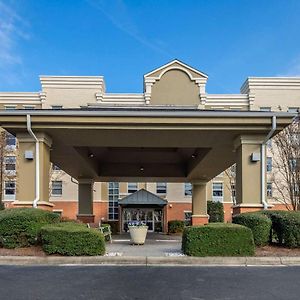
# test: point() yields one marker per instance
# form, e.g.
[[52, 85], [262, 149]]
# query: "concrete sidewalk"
[[151, 261]]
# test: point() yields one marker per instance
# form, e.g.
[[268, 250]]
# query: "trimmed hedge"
[[285, 226], [20, 227], [218, 240], [72, 239], [215, 210], [259, 224], [175, 226]]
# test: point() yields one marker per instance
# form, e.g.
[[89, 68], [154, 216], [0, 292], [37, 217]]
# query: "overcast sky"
[[123, 39]]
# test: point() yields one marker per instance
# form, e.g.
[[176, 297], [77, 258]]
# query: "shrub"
[[215, 210], [218, 240], [175, 226], [285, 226], [2, 206], [20, 227], [259, 224], [72, 239]]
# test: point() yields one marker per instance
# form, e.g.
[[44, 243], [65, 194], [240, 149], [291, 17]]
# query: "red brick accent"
[[239, 210], [227, 212], [86, 218], [43, 205], [199, 220], [175, 211]]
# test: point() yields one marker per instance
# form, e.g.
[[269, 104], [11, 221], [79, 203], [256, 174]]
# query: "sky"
[[122, 40]]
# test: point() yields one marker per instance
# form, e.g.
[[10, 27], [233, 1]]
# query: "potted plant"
[[138, 231]]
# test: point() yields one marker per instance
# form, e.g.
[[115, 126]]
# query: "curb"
[[151, 261]]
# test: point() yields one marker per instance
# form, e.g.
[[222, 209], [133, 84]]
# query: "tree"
[[286, 166]]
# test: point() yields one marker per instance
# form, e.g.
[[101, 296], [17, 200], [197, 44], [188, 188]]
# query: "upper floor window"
[[187, 189], [265, 108], [10, 107], [132, 187], [161, 188], [269, 164], [55, 168], [29, 106], [10, 163], [293, 109], [10, 140], [56, 106], [56, 188], [217, 191], [269, 189]]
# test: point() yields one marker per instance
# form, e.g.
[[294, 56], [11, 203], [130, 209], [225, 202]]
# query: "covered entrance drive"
[[145, 207], [142, 144]]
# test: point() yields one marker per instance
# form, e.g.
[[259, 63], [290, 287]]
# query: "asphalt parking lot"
[[139, 282]]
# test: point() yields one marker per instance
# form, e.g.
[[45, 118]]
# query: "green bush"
[[215, 210], [2, 206], [175, 226], [218, 240], [259, 224], [285, 227], [72, 239], [20, 227]]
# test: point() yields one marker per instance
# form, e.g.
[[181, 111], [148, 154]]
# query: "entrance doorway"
[[152, 217]]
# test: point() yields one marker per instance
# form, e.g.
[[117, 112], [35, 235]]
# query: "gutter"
[[263, 162], [37, 162]]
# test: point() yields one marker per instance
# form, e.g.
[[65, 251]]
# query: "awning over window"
[[142, 197]]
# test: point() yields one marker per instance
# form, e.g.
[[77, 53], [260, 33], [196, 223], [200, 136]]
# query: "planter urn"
[[138, 234]]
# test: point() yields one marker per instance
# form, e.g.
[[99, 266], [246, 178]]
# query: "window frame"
[[132, 187], [113, 201], [188, 192], [161, 188], [9, 196], [53, 182], [217, 198]]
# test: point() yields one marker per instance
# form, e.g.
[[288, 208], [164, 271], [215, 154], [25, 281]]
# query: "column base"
[[243, 208], [86, 218], [199, 220], [41, 204]]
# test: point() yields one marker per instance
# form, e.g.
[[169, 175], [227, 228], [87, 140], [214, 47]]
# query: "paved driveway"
[[114, 283], [155, 245]]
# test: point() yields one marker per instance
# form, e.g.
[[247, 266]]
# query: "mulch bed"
[[30, 251], [275, 250]]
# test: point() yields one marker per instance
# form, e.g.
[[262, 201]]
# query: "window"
[[10, 163], [217, 191], [55, 167], [56, 106], [233, 192], [161, 188], [293, 109], [29, 106], [296, 189], [187, 189], [269, 164], [113, 200], [10, 140], [188, 218], [10, 107], [293, 164], [265, 108], [56, 188], [9, 190], [269, 189], [132, 187]]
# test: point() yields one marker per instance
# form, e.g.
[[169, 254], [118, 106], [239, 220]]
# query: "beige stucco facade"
[[173, 132]]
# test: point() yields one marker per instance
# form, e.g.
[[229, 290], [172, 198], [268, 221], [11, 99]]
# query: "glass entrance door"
[[151, 217]]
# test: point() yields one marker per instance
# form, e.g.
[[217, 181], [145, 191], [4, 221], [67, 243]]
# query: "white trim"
[[178, 62]]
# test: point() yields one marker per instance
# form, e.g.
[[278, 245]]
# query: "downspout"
[[37, 162], [263, 162]]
